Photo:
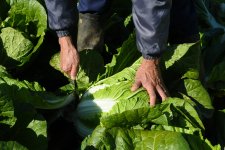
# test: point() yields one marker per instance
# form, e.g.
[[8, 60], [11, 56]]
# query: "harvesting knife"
[[67, 112]]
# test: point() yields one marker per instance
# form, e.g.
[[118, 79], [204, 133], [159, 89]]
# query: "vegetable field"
[[41, 108]]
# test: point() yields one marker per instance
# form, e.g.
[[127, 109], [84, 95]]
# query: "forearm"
[[151, 20], [61, 15]]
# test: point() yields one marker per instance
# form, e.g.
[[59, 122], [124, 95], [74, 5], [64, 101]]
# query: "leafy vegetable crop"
[[38, 103]]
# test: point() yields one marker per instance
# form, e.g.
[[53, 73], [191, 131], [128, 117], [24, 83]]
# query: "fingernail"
[[151, 106], [72, 77], [132, 90]]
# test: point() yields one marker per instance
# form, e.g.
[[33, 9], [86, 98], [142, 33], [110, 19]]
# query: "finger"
[[73, 72], [136, 86], [162, 93], [152, 94]]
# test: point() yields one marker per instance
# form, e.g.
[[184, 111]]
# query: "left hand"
[[149, 76]]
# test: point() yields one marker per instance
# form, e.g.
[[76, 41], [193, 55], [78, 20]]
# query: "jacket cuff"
[[62, 33], [149, 57]]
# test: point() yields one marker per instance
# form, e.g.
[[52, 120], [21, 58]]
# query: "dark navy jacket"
[[154, 20]]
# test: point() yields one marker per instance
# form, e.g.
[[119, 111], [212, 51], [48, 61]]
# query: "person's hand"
[[69, 57], [149, 76]]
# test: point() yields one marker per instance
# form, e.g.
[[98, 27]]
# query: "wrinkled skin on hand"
[[149, 76], [69, 57]]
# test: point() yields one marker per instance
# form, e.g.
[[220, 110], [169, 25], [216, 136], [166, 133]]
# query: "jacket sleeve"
[[151, 19], [61, 15]]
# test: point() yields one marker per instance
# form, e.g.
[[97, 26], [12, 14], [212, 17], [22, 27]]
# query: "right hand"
[[149, 76], [69, 57]]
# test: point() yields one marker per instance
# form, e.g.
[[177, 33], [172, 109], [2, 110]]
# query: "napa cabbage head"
[[103, 96], [21, 32]]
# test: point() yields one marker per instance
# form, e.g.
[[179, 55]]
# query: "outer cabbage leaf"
[[133, 117], [192, 131], [196, 90], [174, 111], [126, 139], [32, 93]]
